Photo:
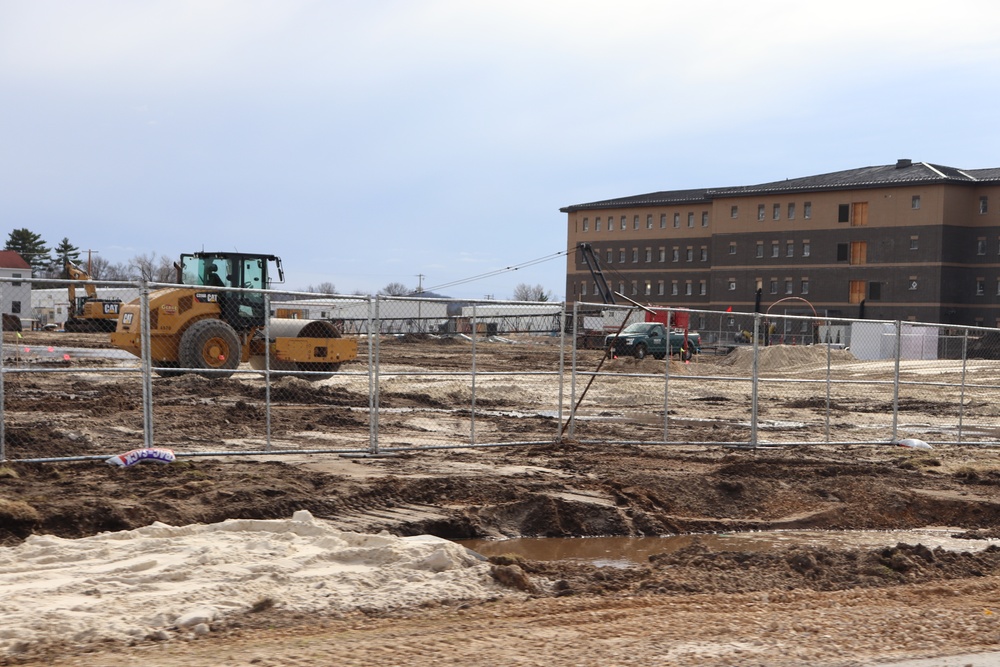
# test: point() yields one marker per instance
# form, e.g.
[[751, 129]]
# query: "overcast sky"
[[370, 142]]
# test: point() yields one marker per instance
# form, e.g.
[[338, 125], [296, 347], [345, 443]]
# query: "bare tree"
[[395, 289], [322, 288], [99, 268], [153, 268], [526, 292]]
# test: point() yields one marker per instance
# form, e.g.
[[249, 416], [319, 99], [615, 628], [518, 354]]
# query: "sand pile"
[[156, 581], [785, 357]]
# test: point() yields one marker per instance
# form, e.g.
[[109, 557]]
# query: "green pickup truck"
[[642, 338]]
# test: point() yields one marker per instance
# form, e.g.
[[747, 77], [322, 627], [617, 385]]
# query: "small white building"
[[15, 296], [51, 305]]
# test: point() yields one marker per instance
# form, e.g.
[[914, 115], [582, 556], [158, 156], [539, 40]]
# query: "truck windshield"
[[639, 328]]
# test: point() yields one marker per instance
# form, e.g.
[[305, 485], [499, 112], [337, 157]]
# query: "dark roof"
[[651, 199], [904, 172], [9, 259]]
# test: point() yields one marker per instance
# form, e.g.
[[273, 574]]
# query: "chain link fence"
[[218, 371]]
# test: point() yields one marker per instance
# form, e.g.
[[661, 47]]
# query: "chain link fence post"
[[562, 369], [374, 401], [965, 366], [754, 380], [895, 381], [147, 365], [3, 395], [666, 377], [472, 402], [573, 372]]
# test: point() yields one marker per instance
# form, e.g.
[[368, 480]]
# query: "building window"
[[690, 219], [586, 224], [704, 218], [914, 242], [677, 219], [760, 249], [984, 204], [804, 287], [663, 254], [635, 255], [704, 254], [583, 288], [980, 286], [874, 291], [676, 254], [702, 288], [844, 213], [649, 255], [790, 249], [649, 221], [732, 284], [915, 202], [621, 287], [689, 254], [673, 288], [635, 289], [649, 288], [734, 212], [663, 221], [16, 283], [856, 291], [15, 307], [624, 226], [732, 248], [611, 257], [687, 289], [788, 285], [621, 256], [597, 224], [774, 286], [791, 211], [842, 252], [774, 249], [913, 283], [805, 248], [776, 212], [981, 246], [807, 210], [760, 211], [659, 287], [635, 223]]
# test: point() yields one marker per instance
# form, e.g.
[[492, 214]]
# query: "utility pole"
[[420, 283]]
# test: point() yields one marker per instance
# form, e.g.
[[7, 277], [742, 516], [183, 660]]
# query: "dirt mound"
[[782, 357]]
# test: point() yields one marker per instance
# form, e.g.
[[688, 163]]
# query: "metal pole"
[[895, 382], [666, 377], [965, 365], [828, 384], [267, 372], [754, 381], [472, 406], [373, 362], [562, 366], [571, 423], [147, 373], [3, 398]]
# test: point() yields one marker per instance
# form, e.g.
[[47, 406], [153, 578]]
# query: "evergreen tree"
[[65, 252], [31, 247]]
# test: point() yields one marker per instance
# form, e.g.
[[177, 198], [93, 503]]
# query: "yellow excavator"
[[217, 320], [88, 313]]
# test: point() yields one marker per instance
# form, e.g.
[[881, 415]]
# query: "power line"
[[496, 272]]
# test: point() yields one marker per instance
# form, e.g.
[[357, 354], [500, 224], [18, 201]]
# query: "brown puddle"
[[629, 551]]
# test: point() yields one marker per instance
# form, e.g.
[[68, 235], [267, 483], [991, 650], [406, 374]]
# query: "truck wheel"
[[640, 351], [686, 355], [212, 345]]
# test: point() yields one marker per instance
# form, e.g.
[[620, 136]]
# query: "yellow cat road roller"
[[207, 329]]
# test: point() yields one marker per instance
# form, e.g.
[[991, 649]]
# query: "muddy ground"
[[817, 606]]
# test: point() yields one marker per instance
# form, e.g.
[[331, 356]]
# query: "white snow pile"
[[160, 579]]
